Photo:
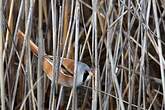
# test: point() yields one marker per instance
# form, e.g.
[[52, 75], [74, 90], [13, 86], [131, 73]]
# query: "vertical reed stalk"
[[161, 59], [52, 100], [2, 84], [40, 89], [94, 38], [77, 19]]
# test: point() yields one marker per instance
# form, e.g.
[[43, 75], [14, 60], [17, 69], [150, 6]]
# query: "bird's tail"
[[33, 46], [47, 64]]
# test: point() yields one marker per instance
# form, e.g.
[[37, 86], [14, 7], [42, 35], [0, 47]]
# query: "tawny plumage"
[[66, 74]]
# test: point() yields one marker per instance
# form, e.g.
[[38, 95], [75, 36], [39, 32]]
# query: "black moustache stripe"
[[85, 76]]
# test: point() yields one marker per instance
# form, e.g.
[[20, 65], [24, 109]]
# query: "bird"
[[66, 72]]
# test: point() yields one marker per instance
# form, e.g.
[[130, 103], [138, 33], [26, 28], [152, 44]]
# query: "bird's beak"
[[91, 72]]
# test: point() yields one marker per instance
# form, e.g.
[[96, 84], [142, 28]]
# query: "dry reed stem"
[[123, 40], [2, 83]]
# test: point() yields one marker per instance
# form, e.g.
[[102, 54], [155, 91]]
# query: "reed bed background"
[[123, 39]]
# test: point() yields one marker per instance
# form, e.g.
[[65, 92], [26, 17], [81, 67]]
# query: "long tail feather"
[[47, 64], [33, 46]]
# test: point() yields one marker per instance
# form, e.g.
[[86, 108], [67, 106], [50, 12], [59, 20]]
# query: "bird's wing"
[[68, 65]]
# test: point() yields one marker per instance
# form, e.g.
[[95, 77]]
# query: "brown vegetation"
[[123, 40]]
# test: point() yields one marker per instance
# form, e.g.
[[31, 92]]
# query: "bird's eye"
[[85, 76]]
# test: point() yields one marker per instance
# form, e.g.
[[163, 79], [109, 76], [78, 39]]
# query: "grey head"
[[83, 73]]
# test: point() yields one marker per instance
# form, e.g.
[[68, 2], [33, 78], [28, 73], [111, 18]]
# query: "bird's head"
[[84, 73]]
